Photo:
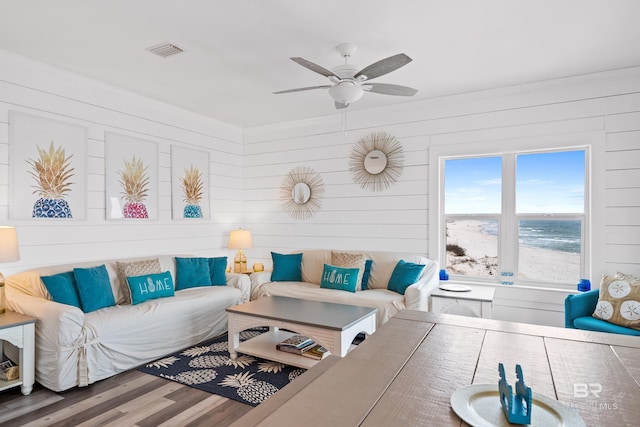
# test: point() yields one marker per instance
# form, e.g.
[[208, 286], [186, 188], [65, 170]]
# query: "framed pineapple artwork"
[[189, 183], [131, 176], [48, 168]]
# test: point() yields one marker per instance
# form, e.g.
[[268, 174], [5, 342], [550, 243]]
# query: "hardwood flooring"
[[132, 398]]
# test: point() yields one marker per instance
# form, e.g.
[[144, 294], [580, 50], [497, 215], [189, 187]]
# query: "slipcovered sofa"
[[377, 294], [77, 348]]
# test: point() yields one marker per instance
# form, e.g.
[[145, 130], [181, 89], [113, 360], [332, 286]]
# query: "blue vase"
[[584, 285]]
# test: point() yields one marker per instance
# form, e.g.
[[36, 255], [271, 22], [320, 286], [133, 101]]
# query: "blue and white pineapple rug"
[[207, 366]]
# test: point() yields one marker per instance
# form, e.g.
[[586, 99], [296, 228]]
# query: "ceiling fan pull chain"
[[344, 121]]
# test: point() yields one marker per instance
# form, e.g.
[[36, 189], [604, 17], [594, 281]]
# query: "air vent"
[[165, 49]]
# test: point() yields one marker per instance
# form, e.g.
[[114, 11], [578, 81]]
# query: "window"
[[516, 217]]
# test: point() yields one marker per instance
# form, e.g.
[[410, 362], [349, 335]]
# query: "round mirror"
[[301, 193], [375, 162]]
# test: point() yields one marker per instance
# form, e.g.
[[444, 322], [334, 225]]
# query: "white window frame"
[[593, 145]]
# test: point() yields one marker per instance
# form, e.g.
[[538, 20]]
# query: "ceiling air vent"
[[165, 49]]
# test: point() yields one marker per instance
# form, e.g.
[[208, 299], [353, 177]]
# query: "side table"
[[19, 330], [478, 302]]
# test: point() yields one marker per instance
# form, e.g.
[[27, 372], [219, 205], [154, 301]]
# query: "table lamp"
[[9, 252], [239, 239]]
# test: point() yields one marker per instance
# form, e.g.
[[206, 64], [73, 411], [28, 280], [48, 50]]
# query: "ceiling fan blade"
[[384, 66], [314, 67], [341, 105], [389, 89], [300, 89]]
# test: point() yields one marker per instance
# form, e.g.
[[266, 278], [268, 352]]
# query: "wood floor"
[[132, 398]]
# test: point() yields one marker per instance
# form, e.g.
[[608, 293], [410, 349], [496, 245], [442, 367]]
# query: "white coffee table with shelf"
[[478, 302], [19, 330], [334, 326]]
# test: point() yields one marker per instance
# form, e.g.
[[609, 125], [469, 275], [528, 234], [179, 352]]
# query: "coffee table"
[[334, 326]]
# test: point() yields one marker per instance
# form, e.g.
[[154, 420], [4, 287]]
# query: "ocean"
[[557, 235]]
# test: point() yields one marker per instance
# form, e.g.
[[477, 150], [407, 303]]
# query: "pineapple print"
[[249, 389], [135, 183], [52, 172], [192, 186]]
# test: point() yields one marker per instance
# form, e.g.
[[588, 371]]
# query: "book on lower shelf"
[[317, 352], [296, 342], [295, 350]]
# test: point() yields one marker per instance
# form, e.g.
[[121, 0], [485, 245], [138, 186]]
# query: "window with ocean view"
[[516, 218]]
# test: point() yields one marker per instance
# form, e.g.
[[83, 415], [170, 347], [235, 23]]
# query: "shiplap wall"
[[37, 89], [606, 105]]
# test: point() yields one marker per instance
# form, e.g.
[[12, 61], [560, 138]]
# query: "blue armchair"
[[578, 310]]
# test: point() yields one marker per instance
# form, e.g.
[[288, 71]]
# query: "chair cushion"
[[619, 301], [590, 323]]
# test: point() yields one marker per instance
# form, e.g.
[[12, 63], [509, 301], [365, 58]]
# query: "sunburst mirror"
[[376, 161], [301, 192]]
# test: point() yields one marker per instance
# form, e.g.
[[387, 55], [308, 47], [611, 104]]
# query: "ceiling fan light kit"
[[349, 83]]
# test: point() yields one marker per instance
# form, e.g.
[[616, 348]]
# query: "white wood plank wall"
[[32, 87]]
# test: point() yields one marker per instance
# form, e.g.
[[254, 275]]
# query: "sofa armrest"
[[240, 281], [257, 280], [579, 305], [416, 296]]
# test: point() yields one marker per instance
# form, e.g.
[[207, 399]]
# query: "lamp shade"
[[9, 250], [240, 239]]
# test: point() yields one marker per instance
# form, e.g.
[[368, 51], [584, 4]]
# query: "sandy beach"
[[480, 256]]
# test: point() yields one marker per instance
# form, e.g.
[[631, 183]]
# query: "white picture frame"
[[131, 178], [186, 164], [41, 195]]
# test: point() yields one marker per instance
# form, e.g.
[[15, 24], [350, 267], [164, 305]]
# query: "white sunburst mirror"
[[376, 161], [301, 192]]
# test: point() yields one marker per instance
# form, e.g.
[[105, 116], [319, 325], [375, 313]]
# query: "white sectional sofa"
[[377, 295], [74, 348]]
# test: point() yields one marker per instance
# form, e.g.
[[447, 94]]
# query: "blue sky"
[[545, 183]]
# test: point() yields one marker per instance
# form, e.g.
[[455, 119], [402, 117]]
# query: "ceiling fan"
[[349, 83]]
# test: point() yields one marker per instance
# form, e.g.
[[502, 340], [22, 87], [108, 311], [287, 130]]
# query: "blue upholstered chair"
[[578, 310]]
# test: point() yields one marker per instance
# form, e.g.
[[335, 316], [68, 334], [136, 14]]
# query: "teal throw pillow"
[[286, 267], [62, 288], [192, 273], [366, 274], [150, 286], [404, 275], [341, 278], [94, 288], [217, 271]]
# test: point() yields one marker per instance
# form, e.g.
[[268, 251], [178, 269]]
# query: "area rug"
[[207, 366]]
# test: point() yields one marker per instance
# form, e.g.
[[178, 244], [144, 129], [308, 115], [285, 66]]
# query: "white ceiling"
[[236, 51]]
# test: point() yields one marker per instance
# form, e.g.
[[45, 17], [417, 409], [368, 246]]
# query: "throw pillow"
[[94, 288], [286, 267], [217, 271], [404, 275], [192, 273], [137, 268], [62, 288], [344, 259], [150, 286], [344, 279], [619, 301], [366, 274]]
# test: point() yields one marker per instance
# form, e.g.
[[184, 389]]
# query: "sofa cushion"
[[192, 273], [217, 270], [404, 275], [62, 288], [150, 286], [137, 268], [340, 278], [366, 274], [590, 323], [286, 267], [619, 301], [94, 288], [350, 260]]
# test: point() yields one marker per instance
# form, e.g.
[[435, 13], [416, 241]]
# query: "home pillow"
[[192, 273], [344, 279], [62, 288], [150, 286], [404, 275], [217, 271], [286, 267], [137, 268], [619, 301], [94, 288], [344, 259]]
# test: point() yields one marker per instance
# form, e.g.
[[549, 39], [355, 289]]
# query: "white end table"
[[19, 330], [478, 302]]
